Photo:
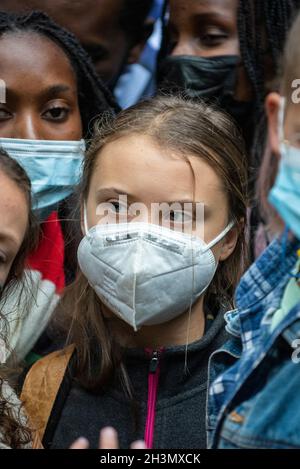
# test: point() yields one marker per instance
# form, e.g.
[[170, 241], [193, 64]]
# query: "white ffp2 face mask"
[[147, 274]]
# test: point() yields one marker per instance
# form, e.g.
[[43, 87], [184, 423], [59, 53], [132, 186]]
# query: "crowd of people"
[[150, 254]]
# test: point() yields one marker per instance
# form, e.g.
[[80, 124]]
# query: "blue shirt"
[[139, 80], [254, 398]]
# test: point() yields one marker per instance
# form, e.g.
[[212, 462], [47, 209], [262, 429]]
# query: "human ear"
[[272, 107], [229, 243]]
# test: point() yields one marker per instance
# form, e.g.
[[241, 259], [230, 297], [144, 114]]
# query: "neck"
[[183, 330]]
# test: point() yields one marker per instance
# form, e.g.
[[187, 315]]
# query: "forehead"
[[96, 8], [96, 16], [13, 210], [28, 56], [151, 173], [189, 8]]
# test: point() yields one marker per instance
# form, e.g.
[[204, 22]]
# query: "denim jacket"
[[254, 397]]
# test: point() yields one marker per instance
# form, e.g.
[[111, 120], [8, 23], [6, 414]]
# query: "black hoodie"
[[169, 408]]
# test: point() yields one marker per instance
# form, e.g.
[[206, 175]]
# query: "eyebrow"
[[107, 192], [51, 92], [55, 91], [210, 14], [10, 239], [218, 18], [182, 202], [215, 7]]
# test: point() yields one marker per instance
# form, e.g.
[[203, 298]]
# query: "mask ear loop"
[[281, 113], [211, 244], [220, 236], [186, 369], [85, 221]]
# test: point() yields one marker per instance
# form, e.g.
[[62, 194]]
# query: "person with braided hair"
[[113, 32], [53, 96], [227, 51]]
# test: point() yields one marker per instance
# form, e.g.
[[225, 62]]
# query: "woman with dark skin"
[[228, 51], [73, 69], [52, 94], [35, 108], [207, 29], [113, 32]]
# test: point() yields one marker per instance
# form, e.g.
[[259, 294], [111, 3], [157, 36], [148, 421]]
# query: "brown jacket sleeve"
[[41, 387]]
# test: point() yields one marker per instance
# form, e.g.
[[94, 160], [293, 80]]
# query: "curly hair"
[[14, 432]]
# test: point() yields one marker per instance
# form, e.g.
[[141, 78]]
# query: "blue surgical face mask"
[[53, 166], [285, 194]]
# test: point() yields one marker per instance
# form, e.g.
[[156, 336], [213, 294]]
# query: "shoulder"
[[53, 361], [46, 372], [41, 386], [267, 276]]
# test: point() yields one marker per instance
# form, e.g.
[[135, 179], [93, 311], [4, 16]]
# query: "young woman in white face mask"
[[146, 310], [52, 94]]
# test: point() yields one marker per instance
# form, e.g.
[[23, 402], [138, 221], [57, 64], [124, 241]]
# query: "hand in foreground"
[[108, 440]]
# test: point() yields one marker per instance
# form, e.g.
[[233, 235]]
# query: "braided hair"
[[272, 18], [93, 96], [263, 27]]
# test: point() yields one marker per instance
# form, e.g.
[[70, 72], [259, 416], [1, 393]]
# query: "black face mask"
[[213, 79]]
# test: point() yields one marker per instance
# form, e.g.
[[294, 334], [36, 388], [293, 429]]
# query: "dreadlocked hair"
[[94, 98]]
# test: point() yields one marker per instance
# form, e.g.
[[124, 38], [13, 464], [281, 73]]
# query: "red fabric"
[[48, 259]]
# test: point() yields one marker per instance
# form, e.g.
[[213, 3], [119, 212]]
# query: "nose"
[[27, 127], [183, 47]]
